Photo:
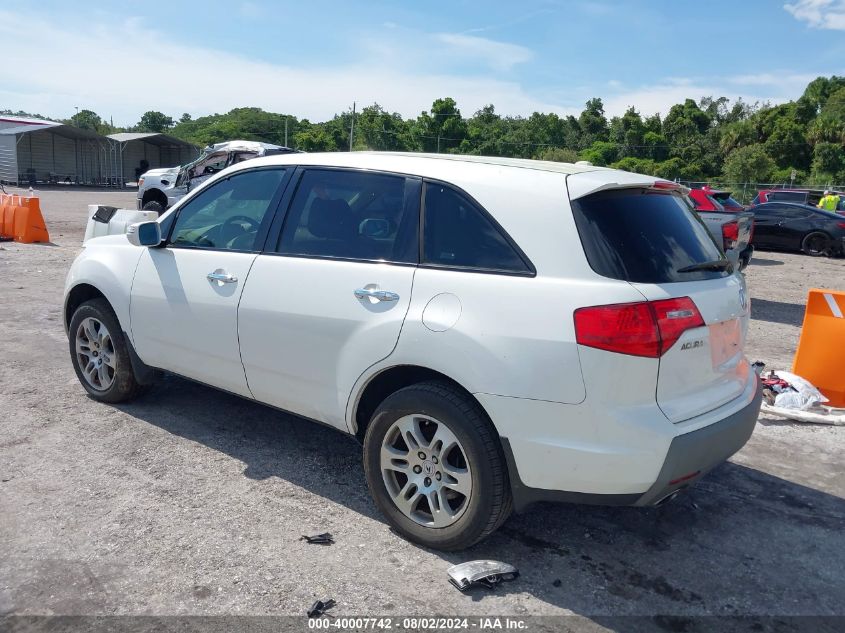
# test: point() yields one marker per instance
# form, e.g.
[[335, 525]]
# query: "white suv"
[[495, 332]]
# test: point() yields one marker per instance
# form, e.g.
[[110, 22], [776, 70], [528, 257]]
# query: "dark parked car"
[[793, 226]]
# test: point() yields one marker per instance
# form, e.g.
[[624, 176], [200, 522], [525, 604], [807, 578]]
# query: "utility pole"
[[352, 128], [286, 131]]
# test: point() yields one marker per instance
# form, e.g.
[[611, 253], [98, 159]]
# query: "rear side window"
[[645, 237], [355, 215], [457, 233]]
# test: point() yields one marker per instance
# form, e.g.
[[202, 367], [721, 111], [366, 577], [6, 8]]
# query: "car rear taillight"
[[730, 234], [841, 225], [647, 328], [674, 317]]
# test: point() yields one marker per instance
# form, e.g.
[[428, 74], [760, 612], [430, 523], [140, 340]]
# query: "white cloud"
[[660, 97], [819, 14], [107, 74], [498, 55]]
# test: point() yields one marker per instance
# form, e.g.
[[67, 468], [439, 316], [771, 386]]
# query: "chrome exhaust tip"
[[670, 497]]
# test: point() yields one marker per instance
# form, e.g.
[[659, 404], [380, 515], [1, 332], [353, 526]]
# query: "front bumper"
[[689, 457]]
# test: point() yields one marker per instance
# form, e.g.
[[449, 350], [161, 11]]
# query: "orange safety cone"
[[819, 357], [29, 223]]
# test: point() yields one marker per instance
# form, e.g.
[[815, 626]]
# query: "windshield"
[[642, 236]]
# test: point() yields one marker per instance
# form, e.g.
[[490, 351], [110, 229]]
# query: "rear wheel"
[[100, 354], [435, 467], [816, 244]]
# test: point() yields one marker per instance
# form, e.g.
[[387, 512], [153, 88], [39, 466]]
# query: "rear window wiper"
[[716, 264]]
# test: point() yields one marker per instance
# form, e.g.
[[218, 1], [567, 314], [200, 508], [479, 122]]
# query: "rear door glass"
[[641, 236], [458, 234]]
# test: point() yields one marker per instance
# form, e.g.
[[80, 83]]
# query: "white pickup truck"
[[160, 189]]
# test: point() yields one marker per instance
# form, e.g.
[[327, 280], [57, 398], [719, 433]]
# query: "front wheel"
[[152, 205], [816, 244], [100, 354], [435, 467]]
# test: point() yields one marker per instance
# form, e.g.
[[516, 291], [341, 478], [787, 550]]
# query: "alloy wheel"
[[95, 353], [426, 471]]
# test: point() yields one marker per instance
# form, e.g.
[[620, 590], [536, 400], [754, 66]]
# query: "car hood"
[[160, 172]]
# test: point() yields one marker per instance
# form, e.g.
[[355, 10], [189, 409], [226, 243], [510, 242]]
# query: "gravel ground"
[[191, 501]]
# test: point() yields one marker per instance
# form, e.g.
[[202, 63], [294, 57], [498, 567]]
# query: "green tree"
[[787, 144], [601, 153], [314, 138], [88, 120], [377, 129], [153, 121], [828, 162], [441, 130], [748, 164], [558, 154], [185, 118], [593, 123]]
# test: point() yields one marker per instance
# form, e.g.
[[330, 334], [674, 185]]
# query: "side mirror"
[[374, 228], [144, 234]]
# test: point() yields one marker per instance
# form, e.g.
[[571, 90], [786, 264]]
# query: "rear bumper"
[[688, 457], [693, 455]]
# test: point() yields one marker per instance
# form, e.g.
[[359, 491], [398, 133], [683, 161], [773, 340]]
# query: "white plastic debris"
[[805, 396], [819, 415]]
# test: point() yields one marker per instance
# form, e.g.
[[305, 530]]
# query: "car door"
[[792, 227], [328, 298], [766, 225], [185, 294]]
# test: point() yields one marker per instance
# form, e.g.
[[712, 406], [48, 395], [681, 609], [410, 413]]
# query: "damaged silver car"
[[160, 189]]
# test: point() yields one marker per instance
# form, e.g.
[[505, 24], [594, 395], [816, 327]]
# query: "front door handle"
[[381, 295], [224, 278]]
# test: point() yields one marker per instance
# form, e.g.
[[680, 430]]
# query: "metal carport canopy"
[[20, 154], [157, 148]]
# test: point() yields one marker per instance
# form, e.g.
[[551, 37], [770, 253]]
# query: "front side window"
[[458, 234], [228, 214], [353, 215]]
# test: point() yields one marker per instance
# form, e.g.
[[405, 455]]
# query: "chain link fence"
[[744, 192]]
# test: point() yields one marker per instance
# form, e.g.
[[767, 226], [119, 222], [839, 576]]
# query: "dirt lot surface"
[[192, 501]]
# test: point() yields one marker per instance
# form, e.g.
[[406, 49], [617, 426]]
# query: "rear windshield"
[[645, 237], [786, 196], [727, 201]]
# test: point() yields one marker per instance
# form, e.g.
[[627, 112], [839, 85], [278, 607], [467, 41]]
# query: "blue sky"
[[312, 59]]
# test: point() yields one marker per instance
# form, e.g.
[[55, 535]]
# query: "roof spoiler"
[[588, 183]]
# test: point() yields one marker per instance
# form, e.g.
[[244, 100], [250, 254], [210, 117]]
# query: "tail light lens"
[[648, 328], [841, 225], [730, 234]]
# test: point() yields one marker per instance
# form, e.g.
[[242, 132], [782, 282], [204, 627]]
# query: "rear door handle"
[[224, 278], [381, 295]]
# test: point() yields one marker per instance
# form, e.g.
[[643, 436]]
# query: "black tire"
[[124, 385], [489, 504], [152, 205], [816, 244]]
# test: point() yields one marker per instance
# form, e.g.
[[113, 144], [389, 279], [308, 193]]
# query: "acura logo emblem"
[[743, 300]]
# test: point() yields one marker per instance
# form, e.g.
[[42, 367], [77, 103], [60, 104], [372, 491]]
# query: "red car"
[[707, 199]]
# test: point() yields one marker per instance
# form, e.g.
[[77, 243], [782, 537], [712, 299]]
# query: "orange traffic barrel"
[[820, 357], [29, 223], [9, 216], [5, 200]]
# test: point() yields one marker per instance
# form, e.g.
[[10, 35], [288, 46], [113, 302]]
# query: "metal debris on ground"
[[487, 573], [318, 539], [320, 607]]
